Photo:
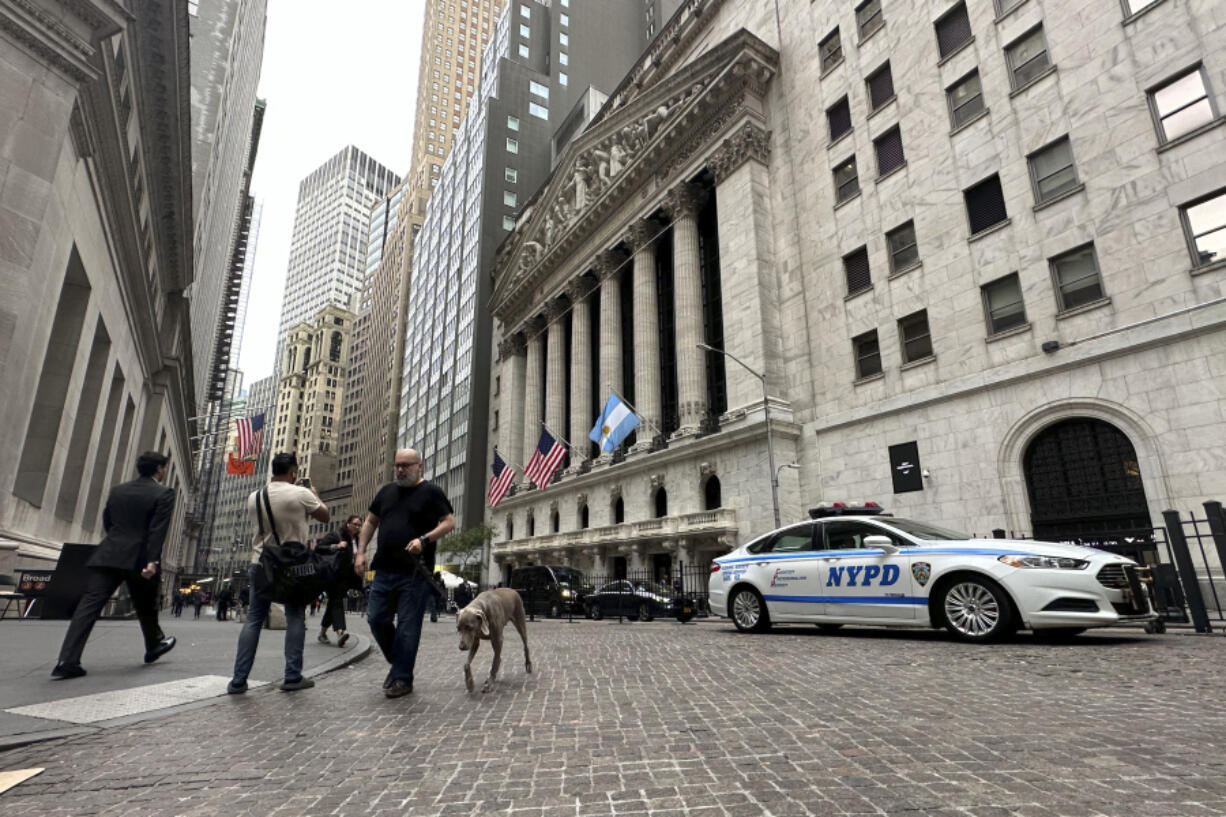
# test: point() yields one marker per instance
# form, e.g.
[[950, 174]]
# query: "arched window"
[[583, 520], [306, 358], [661, 503], [619, 511], [555, 522], [510, 528], [531, 525], [334, 352], [711, 493]]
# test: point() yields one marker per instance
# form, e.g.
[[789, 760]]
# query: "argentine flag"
[[615, 424]]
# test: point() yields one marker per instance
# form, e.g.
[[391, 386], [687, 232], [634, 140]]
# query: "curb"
[[359, 651]]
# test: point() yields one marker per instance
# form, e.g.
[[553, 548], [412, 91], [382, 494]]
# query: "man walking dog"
[[411, 515]]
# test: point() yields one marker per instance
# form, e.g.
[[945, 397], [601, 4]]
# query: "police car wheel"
[[975, 609], [749, 611]]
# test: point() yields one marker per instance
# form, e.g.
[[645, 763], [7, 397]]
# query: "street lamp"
[[766, 409], [793, 465]]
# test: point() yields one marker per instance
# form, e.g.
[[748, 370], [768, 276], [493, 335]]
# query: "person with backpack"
[[339, 542], [279, 513]]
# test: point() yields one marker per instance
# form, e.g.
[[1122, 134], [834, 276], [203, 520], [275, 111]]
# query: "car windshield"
[[653, 587], [570, 577], [922, 530]]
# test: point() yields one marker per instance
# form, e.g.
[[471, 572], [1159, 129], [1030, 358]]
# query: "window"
[[1205, 224], [889, 151], [563, 58], [508, 223], [839, 117], [904, 250], [1137, 6], [563, 79], [512, 123], [1027, 58], [563, 38], [510, 198], [831, 50], [512, 145], [868, 354], [510, 174], [1181, 105], [953, 30], [965, 99], [524, 51], [524, 31], [564, 19], [855, 267], [846, 182], [913, 333], [868, 18], [1002, 304], [1076, 278], [1003, 7], [880, 88], [539, 90], [524, 12], [985, 205], [539, 111], [1052, 171]]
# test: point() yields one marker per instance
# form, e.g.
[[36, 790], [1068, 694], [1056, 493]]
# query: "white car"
[[850, 566]]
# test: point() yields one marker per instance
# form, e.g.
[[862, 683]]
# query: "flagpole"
[[646, 420], [518, 468], [556, 434]]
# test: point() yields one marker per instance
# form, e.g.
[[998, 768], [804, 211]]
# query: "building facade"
[[327, 258], [310, 392], [95, 334], [974, 256], [542, 71]]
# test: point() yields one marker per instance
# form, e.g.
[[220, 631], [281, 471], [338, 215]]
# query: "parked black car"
[[552, 590], [639, 601]]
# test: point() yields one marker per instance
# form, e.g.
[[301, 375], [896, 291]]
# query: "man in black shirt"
[[411, 515]]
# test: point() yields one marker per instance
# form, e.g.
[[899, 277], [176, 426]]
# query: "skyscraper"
[[543, 77], [327, 259]]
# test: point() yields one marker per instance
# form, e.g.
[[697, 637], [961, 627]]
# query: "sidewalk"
[[121, 688]]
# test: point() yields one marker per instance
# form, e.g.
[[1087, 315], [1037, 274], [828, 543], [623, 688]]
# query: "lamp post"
[[766, 409]]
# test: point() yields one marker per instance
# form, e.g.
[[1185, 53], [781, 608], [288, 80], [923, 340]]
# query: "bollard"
[[1187, 571], [1217, 527]]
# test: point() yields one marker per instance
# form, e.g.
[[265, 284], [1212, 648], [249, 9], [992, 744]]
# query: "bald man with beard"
[[411, 515]]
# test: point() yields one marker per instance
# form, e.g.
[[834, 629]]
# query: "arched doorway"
[[711, 494], [1082, 478]]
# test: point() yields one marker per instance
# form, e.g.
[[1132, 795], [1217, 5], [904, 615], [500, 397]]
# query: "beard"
[[405, 483]]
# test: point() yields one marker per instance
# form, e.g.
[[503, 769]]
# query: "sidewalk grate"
[[120, 703]]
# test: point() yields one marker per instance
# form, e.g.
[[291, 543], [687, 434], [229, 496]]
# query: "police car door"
[[860, 582], [784, 572]]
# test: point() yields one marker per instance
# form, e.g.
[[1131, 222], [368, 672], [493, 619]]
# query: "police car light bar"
[[824, 509]]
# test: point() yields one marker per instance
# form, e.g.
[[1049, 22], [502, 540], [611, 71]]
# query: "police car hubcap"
[[745, 608], [971, 609]]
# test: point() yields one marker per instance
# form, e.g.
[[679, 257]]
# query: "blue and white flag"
[[615, 424]]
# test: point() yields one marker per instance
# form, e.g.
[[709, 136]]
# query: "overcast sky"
[[334, 74]]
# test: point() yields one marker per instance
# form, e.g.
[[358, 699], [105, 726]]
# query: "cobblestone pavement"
[[664, 720]]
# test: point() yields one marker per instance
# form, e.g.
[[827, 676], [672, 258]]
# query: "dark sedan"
[[638, 601]]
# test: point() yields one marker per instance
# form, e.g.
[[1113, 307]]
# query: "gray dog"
[[485, 617]]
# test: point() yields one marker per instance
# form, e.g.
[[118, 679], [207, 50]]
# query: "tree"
[[464, 549]]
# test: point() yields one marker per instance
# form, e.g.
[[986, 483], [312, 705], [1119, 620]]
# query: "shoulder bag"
[[292, 573]]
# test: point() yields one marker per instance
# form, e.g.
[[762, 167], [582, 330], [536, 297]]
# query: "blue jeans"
[[404, 597], [249, 638]]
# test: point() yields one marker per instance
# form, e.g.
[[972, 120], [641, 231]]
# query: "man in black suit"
[[136, 517]]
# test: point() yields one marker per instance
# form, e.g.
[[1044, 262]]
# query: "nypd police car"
[[852, 565]]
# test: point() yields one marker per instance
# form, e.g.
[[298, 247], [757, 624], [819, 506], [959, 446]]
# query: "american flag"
[[501, 481], [250, 435], [545, 460]]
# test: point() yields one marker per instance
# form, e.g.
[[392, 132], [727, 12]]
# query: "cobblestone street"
[[668, 720]]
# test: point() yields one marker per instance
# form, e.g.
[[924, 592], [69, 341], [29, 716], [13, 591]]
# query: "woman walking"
[[334, 614]]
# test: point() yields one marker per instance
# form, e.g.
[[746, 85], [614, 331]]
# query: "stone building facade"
[[975, 257], [313, 369], [95, 254]]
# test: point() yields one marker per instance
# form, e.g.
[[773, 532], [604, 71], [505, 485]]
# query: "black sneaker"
[[343, 639], [236, 687], [301, 683], [398, 689]]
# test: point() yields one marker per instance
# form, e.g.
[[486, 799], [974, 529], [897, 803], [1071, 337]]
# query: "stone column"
[[532, 387], [511, 352], [641, 239], [748, 292], [607, 270], [582, 416], [555, 368], [683, 203]]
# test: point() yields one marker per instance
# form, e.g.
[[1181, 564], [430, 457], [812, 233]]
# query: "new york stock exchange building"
[[977, 271]]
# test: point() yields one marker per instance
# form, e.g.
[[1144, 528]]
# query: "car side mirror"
[[882, 543]]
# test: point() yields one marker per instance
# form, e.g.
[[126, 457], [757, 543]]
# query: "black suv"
[[552, 590]]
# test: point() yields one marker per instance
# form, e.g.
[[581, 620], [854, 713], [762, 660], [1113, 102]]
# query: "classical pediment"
[[645, 132]]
